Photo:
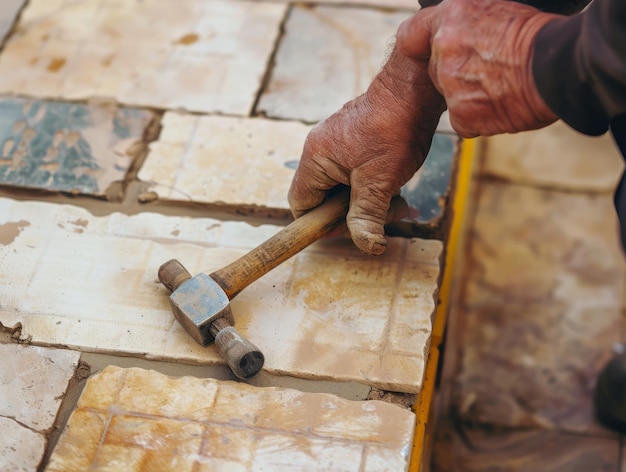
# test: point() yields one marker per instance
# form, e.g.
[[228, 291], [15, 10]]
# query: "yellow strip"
[[425, 399], [461, 193]]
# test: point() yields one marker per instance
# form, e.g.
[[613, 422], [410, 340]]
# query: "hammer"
[[202, 303]]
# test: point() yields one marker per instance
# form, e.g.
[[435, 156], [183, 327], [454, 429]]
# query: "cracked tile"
[[250, 162], [543, 304], [222, 160], [203, 424], [33, 381], [90, 282], [345, 48], [195, 55], [473, 450], [68, 146], [557, 157]]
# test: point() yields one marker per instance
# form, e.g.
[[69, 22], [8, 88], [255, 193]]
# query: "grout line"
[[271, 61]]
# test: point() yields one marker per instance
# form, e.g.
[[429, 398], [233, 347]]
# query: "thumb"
[[413, 38], [367, 216]]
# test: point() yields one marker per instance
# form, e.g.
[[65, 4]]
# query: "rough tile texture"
[[33, 381], [8, 12], [68, 146], [89, 282], [345, 48], [522, 451], [542, 308], [133, 419], [232, 161], [193, 54], [250, 162], [556, 156]]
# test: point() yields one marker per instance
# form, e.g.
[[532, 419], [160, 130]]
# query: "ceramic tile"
[[230, 161], [345, 48], [522, 451], [9, 10], [134, 419], [20, 448], [556, 156], [68, 146], [197, 55], [250, 162], [33, 381], [85, 281], [542, 307]]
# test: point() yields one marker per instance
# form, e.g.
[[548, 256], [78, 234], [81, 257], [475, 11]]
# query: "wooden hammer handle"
[[286, 243]]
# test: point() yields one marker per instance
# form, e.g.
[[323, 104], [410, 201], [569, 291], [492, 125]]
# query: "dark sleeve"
[[579, 66], [565, 7]]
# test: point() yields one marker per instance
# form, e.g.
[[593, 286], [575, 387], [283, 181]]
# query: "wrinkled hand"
[[479, 55], [374, 144]]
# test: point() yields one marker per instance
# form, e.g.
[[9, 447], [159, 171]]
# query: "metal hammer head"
[[202, 307]]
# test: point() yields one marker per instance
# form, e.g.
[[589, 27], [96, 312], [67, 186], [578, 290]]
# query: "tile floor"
[[148, 421], [104, 103]]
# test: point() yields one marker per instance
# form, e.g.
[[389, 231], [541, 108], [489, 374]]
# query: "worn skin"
[[480, 63], [374, 144], [479, 55]]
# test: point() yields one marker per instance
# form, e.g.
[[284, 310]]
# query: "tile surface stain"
[[10, 231]]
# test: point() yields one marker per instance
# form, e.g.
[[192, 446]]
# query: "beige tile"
[[33, 381], [222, 160], [160, 439], [345, 48], [556, 156], [20, 448], [195, 55], [329, 313], [542, 307]]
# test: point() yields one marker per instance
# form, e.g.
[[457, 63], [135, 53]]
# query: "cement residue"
[[11, 230], [404, 400]]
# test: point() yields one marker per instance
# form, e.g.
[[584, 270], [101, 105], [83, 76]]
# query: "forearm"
[[579, 66]]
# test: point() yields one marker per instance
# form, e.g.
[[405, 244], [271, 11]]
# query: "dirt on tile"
[[11, 230]]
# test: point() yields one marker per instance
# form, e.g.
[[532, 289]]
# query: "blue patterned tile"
[[427, 193], [67, 146]]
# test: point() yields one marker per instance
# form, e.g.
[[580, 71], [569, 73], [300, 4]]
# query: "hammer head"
[[197, 303]]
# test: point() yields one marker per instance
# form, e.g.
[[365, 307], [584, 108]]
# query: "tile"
[[9, 9], [184, 428], [33, 381], [250, 162], [557, 157], [329, 313], [68, 146], [224, 160], [542, 307], [195, 55], [20, 448], [522, 451], [345, 48]]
